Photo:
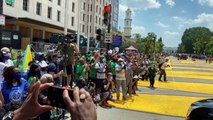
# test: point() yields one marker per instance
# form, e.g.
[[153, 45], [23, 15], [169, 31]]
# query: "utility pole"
[[109, 25], [88, 34], [79, 27], [65, 17]]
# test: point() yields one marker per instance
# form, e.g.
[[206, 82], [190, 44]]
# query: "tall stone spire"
[[128, 23]]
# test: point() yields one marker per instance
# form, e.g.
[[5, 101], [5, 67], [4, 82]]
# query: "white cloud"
[[138, 29], [162, 25], [171, 3], [202, 19], [122, 10], [170, 33], [206, 2], [143, 4]]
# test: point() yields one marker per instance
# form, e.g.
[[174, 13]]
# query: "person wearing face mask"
[[120, 78], [2, 66], [7, 56], [14, 87]]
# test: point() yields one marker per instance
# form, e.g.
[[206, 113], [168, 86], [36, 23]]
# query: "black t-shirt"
[[105, 82]]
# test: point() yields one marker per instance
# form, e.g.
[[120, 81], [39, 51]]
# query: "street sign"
[[108, 38], [116, 41], [2, 20]]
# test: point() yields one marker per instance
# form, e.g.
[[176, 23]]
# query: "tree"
[[159, 46], [209, 48], [195, 39]]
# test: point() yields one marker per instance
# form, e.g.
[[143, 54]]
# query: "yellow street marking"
[[161, 104], [183, 86], [190, 68], [187, 62], [189, 74]]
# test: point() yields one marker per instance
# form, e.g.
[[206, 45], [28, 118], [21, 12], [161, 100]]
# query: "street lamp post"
[[88, 37]]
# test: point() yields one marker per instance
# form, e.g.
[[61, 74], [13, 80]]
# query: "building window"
[[83, 27], [100, 11], [91, 8], [90, 29], [96, 19], [38, 8], [90, 18], [25, 5], [99, 21], [72, 21], [50, 0], [84, 6], [83, 17], [59, 2], [58, 15], [73, 7], [49, 12], [96, 8]]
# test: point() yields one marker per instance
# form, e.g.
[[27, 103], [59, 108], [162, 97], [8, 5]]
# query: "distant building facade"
[[115, 15]]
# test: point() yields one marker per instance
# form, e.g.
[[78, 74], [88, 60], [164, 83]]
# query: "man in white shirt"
[[7, 56], [120, 78], [101, 73], [163, 71]]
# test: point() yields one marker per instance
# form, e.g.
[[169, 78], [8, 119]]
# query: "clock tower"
[[128, 23]]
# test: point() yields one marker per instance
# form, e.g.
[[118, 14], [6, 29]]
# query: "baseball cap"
[[51, 67]]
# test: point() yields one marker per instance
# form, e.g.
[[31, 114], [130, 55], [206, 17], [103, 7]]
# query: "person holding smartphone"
[[80, 108]]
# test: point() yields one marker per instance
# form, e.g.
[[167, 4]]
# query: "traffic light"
[[107, 14], [99, 34]]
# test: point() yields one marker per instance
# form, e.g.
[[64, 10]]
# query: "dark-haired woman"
[[14, 87], [33, 72]]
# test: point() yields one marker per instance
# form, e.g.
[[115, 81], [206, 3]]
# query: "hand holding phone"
[[55, 96]]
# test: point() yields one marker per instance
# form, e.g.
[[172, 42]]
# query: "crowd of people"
[[97, 74]]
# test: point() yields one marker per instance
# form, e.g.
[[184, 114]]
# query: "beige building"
[[91, 12], [38, 19]]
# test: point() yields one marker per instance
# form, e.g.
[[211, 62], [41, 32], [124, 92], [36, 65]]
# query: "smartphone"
[[55, 96]]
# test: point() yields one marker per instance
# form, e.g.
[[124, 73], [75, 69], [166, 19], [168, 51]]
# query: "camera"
[[61, 38]]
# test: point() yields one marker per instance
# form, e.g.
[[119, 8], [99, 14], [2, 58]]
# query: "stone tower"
[[128, 23]]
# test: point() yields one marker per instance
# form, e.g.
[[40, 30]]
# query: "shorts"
[[69, 69], [99, 83]]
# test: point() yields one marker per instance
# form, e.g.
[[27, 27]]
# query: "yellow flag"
[[27, 57]]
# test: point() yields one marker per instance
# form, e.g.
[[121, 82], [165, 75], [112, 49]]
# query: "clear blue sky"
[[167, 18]]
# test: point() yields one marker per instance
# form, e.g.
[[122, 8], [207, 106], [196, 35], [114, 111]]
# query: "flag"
[[27, 57]]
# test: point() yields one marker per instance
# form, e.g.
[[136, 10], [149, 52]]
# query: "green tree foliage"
[[209, 48], [195, 40], [145, 45]]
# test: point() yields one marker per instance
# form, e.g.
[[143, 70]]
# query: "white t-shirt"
[[2, 66], [121, 74], [101, 70], [164, 66], [9, 63]]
